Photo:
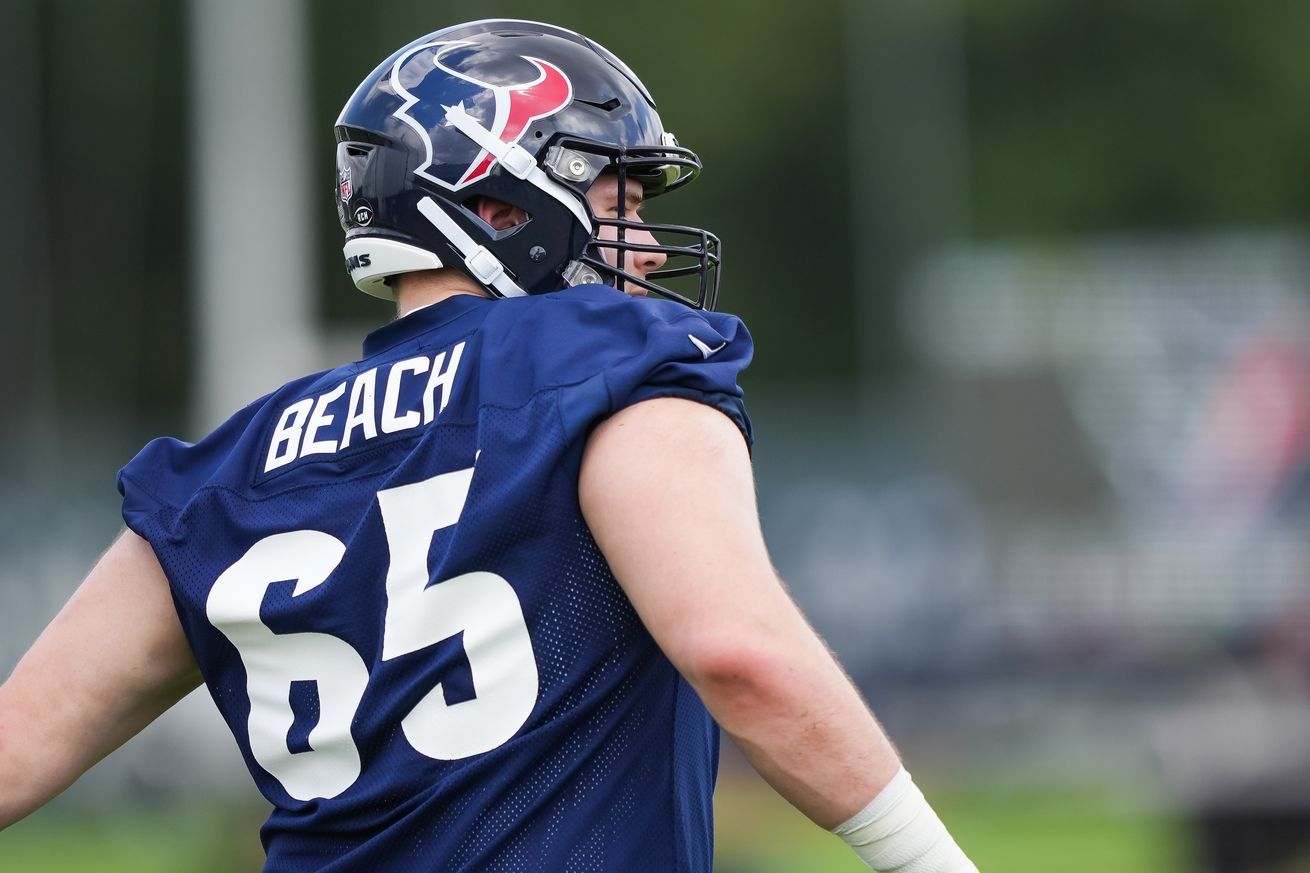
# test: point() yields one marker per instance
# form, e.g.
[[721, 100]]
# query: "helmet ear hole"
[[497, 214], [498, 219]]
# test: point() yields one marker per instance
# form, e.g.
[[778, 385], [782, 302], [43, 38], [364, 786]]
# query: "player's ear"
[[498, 213]]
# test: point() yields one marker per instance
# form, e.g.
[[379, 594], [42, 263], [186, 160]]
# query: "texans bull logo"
[[506, 109]]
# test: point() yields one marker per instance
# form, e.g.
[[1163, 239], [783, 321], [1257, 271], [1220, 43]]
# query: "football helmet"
[[527, 114]]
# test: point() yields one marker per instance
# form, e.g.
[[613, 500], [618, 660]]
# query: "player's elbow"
[[739, 680], [26, 780]]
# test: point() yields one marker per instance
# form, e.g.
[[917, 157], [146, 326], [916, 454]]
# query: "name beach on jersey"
[[301, 428]]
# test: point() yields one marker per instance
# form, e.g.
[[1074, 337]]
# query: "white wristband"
[[898, 832]]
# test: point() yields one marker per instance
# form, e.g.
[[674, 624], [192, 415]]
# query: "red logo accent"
[[519, 106]]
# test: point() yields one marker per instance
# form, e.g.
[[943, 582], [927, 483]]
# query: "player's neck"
[[415, 290]]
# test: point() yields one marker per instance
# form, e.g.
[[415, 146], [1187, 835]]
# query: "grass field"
[[1033, 831], [1023, 832], [134, 840]]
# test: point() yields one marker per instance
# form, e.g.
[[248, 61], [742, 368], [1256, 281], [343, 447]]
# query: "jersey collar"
[[419, 321]]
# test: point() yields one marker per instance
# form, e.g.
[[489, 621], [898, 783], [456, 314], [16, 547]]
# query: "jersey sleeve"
[[694, 357], [651, 348], [167, 473]]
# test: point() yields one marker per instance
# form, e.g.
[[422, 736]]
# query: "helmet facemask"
[[693, 254]]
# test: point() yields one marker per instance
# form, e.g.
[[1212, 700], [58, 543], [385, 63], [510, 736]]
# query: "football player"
[[482, 599]]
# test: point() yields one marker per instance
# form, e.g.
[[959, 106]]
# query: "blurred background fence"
[[1030, 286]]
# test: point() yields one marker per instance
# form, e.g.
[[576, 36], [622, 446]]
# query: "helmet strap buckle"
[[484, 266], [578, 273]]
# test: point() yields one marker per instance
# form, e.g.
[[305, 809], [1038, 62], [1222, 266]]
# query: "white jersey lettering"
[[360, 412], [312, 445], [392, 422], [285, 446], [309, 426]]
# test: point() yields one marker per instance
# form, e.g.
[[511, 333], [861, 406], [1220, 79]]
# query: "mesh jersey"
[[386, 579]]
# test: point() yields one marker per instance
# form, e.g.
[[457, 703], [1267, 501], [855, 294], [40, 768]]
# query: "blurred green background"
[[1030, 290]]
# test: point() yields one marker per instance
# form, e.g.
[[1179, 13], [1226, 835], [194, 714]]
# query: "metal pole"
[[253, 302]]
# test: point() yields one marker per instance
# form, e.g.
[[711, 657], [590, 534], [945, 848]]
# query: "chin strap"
[[481, 264], [515, 159]]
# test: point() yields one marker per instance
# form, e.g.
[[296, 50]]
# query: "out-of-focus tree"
[[1172, 115]]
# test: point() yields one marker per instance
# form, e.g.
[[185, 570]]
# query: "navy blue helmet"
[[527, 114]]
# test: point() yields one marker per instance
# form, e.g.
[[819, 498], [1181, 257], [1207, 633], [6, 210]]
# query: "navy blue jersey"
[[388, 584]]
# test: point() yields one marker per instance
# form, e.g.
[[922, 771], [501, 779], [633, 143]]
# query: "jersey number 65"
[[483, 606]]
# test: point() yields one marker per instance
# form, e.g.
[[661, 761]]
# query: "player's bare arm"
[[110, 663], [701, 580], [668, 492]]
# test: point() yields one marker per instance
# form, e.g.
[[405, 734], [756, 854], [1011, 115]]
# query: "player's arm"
[[668, 492], [110, 662]]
